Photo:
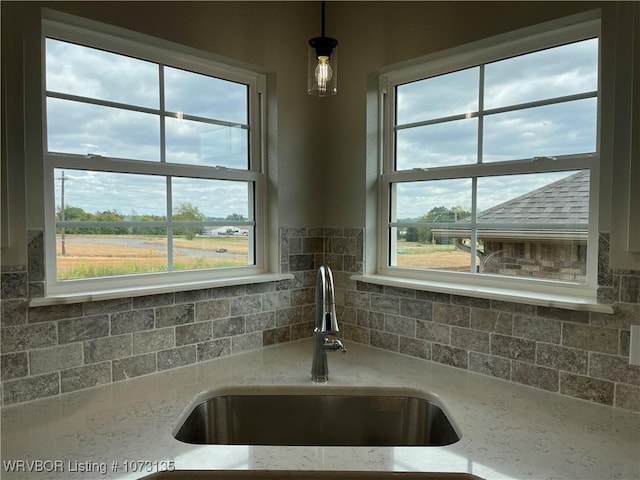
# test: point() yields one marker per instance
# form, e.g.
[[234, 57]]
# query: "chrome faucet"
[[326, 324]]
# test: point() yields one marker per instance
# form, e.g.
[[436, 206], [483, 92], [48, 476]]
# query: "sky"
[[222, 139]]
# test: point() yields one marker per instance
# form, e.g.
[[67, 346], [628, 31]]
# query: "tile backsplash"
[[52, 350]]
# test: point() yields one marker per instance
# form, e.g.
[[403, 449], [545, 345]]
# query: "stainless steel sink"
[[317, 416]]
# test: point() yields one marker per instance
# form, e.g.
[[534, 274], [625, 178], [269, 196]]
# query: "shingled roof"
[[564, 202]]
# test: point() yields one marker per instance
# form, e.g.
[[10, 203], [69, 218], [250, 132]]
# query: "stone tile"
[[55, 358], [457, 315], [260, 321], [562, 358], [14, 365], [107, 306], [148, 301], [246, 304], [592, 389], [399, 291], [107, 348], [625, 315], [14, 312], [298, 263], [26, 337], [415, 348], [589, 337], [79, 378], [448, 355], [31, 388], [468, 339], [302, 296], [176, 357], [256, 288], [193, 333], [613, 368], [304, 330], [433, 332], [130, 367], [433, 296], [356, 334], [535, 376], [385, 340], [227, 327], [513, 348], [246, 342], [369, 287], [13, 285], [213, 309], [385, 304], [342, 245], [276, 335], [492, 321], [55, 312], [214, 349], [400, 325], [490, 365], [470, 301], [420, 309], [576, 316], [535, 328], [357, 299], [174, 315], [376, 320], [312, 245], [85, 328], [35, 255], [630, 288], [229, 291], [289, 316], [193, 296], [513, 307], [627, 397], [132, 321], [276, 300], [153, 341]]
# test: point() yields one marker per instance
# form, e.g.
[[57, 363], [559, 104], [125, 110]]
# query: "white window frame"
[[92, 34], [542, 292]]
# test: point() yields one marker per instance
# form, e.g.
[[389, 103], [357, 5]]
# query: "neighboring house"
[[534, 248]]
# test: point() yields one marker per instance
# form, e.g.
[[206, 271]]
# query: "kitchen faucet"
[[326, 324]]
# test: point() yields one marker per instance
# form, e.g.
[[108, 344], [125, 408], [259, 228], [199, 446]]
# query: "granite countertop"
[[508, 431]]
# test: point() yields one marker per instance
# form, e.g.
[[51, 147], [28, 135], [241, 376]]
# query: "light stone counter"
[[509, 431]]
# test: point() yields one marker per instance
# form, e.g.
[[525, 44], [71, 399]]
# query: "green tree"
[[437, 215], [187, 212]]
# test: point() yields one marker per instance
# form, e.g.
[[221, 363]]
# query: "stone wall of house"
[[566, 261]]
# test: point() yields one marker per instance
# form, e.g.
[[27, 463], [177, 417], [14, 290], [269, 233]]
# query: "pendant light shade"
[[322, 71]]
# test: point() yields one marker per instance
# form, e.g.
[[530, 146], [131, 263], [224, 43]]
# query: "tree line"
[[185, 212], [435, 215]]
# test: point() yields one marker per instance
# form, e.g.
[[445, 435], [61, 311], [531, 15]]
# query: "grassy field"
[[88, 256], [418, 255]]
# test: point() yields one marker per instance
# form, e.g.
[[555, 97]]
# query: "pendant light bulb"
[[323, 73], [323, 64]]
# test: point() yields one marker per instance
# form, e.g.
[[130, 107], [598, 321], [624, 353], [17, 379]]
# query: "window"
[[153, 164], [490, 164]]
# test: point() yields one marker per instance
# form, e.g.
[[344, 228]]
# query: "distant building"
[[534, 248]]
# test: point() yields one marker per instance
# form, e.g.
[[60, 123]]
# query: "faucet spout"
[[326, 324]]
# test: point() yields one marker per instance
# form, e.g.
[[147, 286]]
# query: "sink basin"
[[317, 416]]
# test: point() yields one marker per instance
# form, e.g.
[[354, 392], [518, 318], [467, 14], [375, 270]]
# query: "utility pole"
[[62, 179]]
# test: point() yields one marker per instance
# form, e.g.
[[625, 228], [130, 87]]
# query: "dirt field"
[[101, 255]]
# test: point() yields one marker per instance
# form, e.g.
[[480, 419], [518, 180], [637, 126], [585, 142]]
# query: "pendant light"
[[323, 64]]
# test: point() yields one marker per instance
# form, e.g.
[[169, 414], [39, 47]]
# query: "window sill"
[[491, 293], [63, 299]]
